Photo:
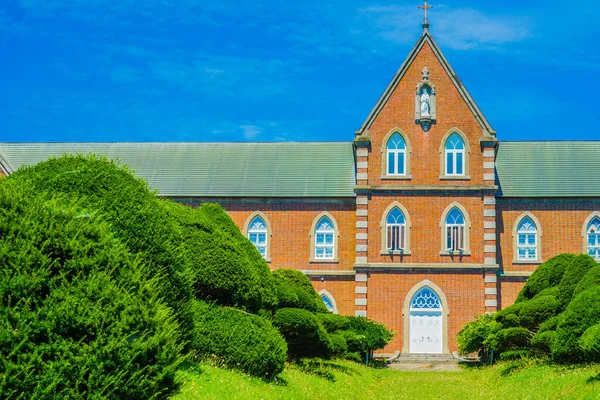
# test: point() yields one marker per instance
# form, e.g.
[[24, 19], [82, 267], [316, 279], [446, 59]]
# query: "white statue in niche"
[[425, 103]]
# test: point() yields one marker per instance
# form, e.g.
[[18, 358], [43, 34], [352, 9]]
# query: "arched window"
[[396, 230], [324, 240], [455, 230], [257, 234], [329, 301], [455, 155], [527, 241], [593, 238], [396, 155]]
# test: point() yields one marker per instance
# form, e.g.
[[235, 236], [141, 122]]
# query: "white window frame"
[[395, 152], [253, 230], [593, 229], [454, 152], [455, 233], [326, 232], [395, 232], [526, 234]]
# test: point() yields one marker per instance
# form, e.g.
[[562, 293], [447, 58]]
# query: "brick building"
[[422, 221]]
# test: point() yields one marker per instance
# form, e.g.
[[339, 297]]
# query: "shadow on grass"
[[593, 379], [322, 368]]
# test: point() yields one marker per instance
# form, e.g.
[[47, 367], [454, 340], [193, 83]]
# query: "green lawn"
[[353, 381]]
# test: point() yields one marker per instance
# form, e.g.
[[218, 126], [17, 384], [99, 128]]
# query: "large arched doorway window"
[[426, 322]]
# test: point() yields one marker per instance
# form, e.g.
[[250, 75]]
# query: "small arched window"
[[593, 238], [396, 230], [396, 155], [455, 230], [328, 303], [527, 240], [324, 240], [455, 155], [257, 234]]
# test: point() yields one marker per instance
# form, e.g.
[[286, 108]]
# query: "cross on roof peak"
[[425, 7]]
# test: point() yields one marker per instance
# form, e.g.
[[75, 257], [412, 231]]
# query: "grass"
[[348, 380]]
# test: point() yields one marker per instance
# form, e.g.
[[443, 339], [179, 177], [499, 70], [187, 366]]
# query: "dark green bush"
[[334, 322], [304, 290], [543, 341], [365, 335], [575, 271], [510, 316], [137, 217], [339, 347], [243, 341], [472, 337], [550, 324], [220, 218], [548, 274], [220, 268], [303, 333], [590, 343], [512, 355], [81, 317], [581, 313], [591, 278], [537, 310], [508, 339]]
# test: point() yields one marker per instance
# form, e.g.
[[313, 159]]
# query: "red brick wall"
[[387, 294], [291, 222], [425, 213], [561, 223], [452, 112], [509, 290], [342, 290]]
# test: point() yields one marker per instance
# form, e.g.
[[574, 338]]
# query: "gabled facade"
[[421, 222]]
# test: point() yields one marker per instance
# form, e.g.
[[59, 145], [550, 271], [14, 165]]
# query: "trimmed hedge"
[[547, 275], [302, 288], [582, 312], [543, 341], [508, 339], [81, 317], [334, 322], [364, 335], [472, 337], [243, 341], [538, 310], [591, 279], [303, 333], [590, 343], [574, 272]]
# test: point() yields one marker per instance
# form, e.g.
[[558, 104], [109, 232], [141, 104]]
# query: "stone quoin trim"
[[406, 314], [269, 230], [467, 163], [515, 239]]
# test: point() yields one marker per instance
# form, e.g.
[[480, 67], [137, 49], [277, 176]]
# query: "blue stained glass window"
[[426, 298], [455, 217], [328, 303]]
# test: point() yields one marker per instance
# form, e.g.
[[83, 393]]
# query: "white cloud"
[[459, 29], [251, 131]]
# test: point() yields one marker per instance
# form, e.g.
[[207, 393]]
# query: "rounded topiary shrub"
[[542, 341], [537, 310], [548, 274], [339, 347], [581, 313], [364, 335], [220, 268], [308, 298], [510, 316], [80, 317], [575, 271], [334, 322], [243, 341], [590, 279], [135, 214], [472, 337], [508, 339], [590, 343], [303, 333]]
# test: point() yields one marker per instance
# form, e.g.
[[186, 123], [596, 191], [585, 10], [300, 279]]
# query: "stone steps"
[[425, 358]]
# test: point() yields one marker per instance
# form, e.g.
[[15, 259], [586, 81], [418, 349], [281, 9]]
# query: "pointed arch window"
[[396, 155], [593, 238], [396, 230], [324, 240], [455, 231], [258, 235], [527, 240], [455, 155]]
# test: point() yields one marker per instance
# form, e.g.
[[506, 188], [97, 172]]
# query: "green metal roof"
[[217, 169], [548, 169]]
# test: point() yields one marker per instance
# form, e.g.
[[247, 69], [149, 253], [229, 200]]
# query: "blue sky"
[[266, 70]]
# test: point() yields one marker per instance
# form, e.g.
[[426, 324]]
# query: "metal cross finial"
[[425, 7]]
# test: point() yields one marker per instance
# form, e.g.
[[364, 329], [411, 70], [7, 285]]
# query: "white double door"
[[425, 333]]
